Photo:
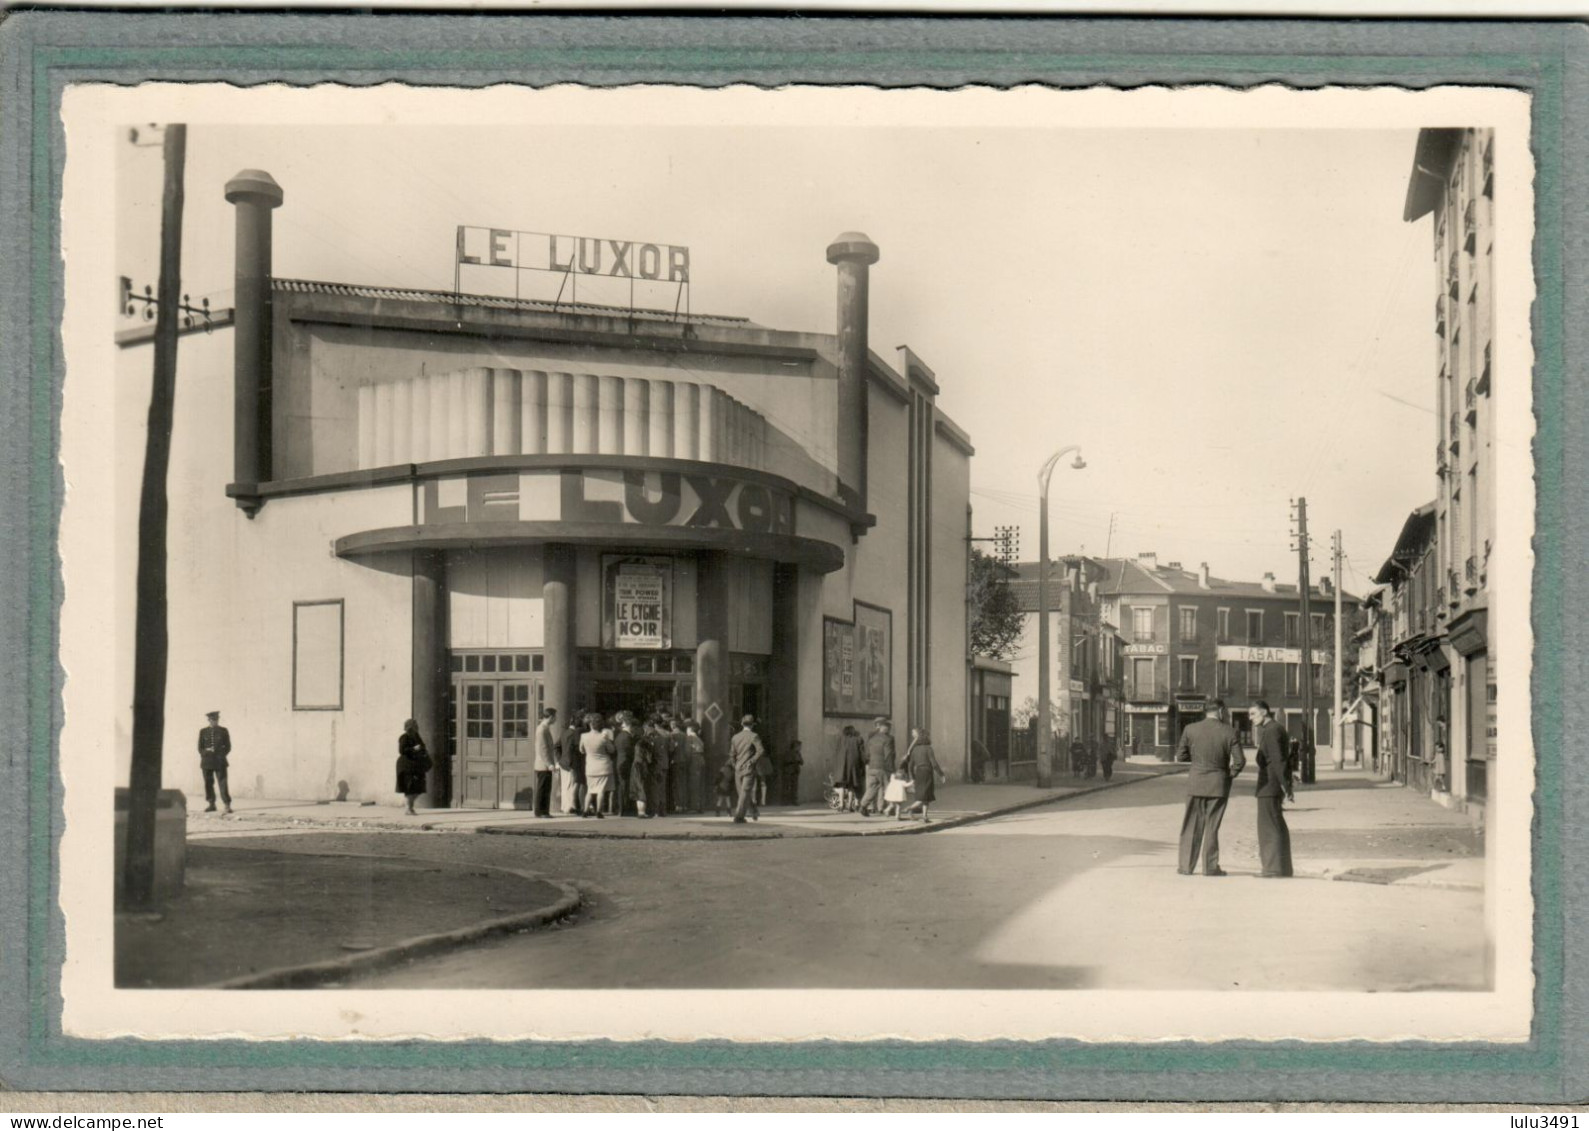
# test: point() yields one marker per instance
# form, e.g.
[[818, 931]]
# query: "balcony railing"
[[1455, 434], [1440, 315], [1440, 459], [1470, 224], [1440, 602], [1489, 167], [1483, 385], [1453, 585], [1471, 574], [1454, 276], [1470, 396]]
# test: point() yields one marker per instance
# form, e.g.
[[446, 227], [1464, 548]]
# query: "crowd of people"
[[603, 766]]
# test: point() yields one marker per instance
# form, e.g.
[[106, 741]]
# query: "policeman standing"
[[215, 743]]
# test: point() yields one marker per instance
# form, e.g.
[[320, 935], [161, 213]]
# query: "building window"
[[515, 710], [1317, 621], [1142, 623], [1254, 626], [317, 642], [1222, 675], [1187, 672], [1293, 629], [1254, 678], [1224, 626], [1189, 625], [480, 710], [1318, 678], [1142, 677], [1293, 679]]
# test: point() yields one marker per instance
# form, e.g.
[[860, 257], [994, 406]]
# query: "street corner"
[[259, 918]]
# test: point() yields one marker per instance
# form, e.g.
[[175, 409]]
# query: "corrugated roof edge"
[[360, 290]]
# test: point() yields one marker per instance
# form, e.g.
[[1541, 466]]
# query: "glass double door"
[[495, 751]]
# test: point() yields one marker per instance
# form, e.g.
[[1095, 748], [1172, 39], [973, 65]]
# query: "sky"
[[1222, 319]]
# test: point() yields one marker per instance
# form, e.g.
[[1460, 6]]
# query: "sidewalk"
[[958, 804], [265, 919]]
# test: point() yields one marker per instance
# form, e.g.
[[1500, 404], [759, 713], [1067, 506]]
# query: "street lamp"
[[1045, 729]]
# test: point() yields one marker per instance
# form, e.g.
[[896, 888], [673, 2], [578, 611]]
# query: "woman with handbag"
[[922, 765], [413, 763]]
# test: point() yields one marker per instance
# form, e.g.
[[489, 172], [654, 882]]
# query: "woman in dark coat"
[[922, 766], [851, 777], [413, 763]]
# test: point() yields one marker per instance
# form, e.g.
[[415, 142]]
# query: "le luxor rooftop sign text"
[[583, 255]]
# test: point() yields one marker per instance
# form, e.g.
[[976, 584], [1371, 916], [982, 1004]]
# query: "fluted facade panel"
[[501, 411]]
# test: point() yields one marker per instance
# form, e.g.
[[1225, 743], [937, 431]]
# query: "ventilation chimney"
[[255, 193], [1326, 586], [1202, 576], [1149, 560], [1268, 583], [854, 254], [1173, 565]]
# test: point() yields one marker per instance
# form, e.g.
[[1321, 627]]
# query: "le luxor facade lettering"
[[647, 498]]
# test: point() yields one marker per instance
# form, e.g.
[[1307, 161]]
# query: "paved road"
[[1082, 894]]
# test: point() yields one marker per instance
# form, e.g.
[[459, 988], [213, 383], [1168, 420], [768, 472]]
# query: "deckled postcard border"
[[41, 52]]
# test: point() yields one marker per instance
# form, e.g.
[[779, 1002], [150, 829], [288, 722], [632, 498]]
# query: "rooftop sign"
[[585, 255]]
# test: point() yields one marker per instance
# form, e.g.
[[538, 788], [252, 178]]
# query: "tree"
[[996, 617]]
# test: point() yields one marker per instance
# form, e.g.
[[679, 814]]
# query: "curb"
[[900, 829], [315, 974]]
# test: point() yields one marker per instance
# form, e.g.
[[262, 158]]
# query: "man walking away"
[[744, 751], [1211, 745], [1106, 756], [879, 765], [1274, 782], [545, 760], [215, 743]]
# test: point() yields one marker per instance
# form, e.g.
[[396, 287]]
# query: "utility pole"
[[151, 647], [1340, 710], [1309, 762]]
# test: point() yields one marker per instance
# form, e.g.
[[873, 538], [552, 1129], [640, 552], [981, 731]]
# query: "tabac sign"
[[585, 255]]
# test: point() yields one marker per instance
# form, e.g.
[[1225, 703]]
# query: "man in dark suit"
[[1211, 746], [880, 757], [1274, 783], [215, 743]]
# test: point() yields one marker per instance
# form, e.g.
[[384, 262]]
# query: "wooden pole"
[[150, 651]]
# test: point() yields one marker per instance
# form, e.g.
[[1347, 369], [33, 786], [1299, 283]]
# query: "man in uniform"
[[879, 765], [1211, 746], [1274, 781], [215, 743], [744, 751]]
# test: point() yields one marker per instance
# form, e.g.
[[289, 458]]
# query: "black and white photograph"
[[798, 563]]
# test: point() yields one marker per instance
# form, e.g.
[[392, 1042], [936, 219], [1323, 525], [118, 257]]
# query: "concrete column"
[[429, 666], [783, 672], [559, 413], [383, 424], [587, 414], [854, 254], [532, 413], [476, 386], [366, 426], [636, 416], [711, 655], [507, 417], [659, 442], [686, 420], [457, 414], [610, 430], [557, 591], [255, 194], [437, 389]]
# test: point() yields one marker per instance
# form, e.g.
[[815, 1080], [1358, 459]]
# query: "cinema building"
[[461, 508]]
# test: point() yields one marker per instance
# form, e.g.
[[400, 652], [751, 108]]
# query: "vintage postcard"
[[792, 564]]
